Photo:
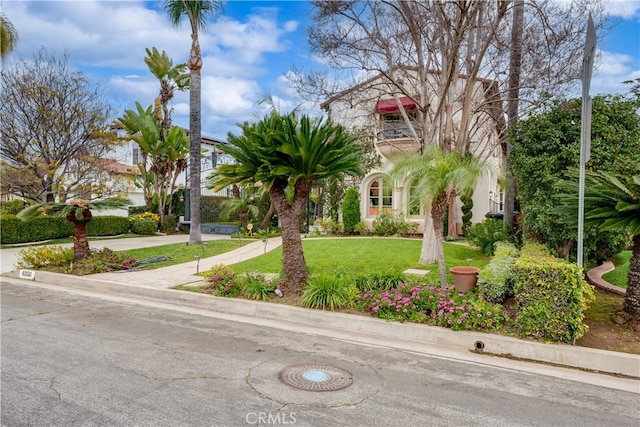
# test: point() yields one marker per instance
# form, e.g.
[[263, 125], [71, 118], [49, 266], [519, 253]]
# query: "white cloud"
[[613, 69], [625, 9]]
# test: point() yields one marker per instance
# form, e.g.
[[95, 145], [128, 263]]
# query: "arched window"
[[380, 197]]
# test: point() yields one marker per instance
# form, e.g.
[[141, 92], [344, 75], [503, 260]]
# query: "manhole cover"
[[316, 377]]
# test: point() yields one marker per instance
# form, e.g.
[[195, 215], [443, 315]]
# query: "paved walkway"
[[184, 274]]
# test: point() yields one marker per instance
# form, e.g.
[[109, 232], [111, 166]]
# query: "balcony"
[[395, 137]]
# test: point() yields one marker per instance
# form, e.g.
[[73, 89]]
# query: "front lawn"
[[364, 255], [618, 277]]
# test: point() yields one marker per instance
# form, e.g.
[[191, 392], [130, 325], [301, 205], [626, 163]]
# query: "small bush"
[[551, 296], [224, 282], [44, 256], [486, 233], [326, 291], [381, 281], [11, 207], [145, 227], [362, 228], [385, 225], [102, 261], [146, 215], [351, 210], [256, 286], [495, 281], [505, 249], [169, 224]]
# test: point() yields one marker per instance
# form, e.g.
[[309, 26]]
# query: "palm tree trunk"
[[195, 136], [438, 211], [451, 223], [428, 253], [80, 240], [294, 265], [267, 218], [632, 299]]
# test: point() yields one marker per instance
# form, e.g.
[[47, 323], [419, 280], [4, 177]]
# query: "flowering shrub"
[[102, 261], [44, 256], [224, 282], [434, 305]]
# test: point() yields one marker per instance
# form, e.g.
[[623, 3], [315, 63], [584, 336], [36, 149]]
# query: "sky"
[[247, 51]]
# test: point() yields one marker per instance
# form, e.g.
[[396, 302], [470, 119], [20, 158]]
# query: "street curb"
[[595, 360]]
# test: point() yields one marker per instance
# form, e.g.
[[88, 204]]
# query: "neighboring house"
[[128, 156], [392, 117]]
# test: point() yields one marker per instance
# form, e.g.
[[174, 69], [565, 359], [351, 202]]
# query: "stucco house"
[[399, 114]]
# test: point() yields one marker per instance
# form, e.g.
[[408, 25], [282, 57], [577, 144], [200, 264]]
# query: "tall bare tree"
[[451, 59], [54, 126]]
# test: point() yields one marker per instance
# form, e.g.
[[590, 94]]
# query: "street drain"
[[316, 377]]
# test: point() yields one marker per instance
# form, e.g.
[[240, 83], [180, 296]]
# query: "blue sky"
[[247, 51]]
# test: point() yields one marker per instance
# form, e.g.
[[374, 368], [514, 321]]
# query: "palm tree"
[[198, 12], [242, 206], [171, 78], [286, 154], [78, 212], [437, 174], [8, 36], [613, 203]]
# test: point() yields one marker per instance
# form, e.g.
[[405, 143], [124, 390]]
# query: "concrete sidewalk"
[[184, 274], [152, 287]]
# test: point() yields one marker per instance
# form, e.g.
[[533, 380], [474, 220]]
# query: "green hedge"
[[551, 296], [495, 281], [145, 227], [108, 225], [14, 230], [11, 207]]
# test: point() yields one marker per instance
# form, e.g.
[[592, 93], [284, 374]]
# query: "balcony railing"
[[395, 129]]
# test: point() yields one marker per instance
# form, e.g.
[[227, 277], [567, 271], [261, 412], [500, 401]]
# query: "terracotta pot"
[[464, 278]]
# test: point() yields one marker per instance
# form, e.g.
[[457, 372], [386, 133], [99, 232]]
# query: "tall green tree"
[[8, 36], [78, 212], [164, 153], [437, 175], [547, 144], [611, 203], [198, 13], [286, 154]]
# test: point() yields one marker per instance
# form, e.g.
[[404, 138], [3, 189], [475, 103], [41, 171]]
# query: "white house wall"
[[357, 110]]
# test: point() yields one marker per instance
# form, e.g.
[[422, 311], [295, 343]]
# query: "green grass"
[[359, 255], [181, 252], [618, 277]]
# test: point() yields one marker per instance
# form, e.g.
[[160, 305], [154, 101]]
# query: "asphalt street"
[[71, 360]]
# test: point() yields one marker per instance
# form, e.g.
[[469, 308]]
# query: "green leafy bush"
[[380, 281], [256, 286], [486, 233], [169, 223], [350, 210], [385, 225], [11, 207], [551, 296], [362, 228], [495, 281], [324, 291], [145, 227], [38, 229], [108, 225], [38, 257]]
